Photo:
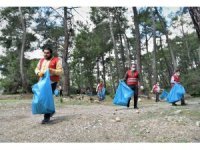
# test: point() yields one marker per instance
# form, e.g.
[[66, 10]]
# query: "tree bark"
[[23, 76], [195, 15], [137, 36], [154, 47], [127, 50], [114, 44], [66, 84]]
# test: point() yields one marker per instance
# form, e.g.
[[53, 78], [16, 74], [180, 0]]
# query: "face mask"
[[132, 69]]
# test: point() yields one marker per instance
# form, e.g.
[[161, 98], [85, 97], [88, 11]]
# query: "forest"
[[102, 47]]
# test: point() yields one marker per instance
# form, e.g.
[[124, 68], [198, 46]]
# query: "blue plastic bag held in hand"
[[176, 94], [56, 92], [42, 102], [164, 95], [123, 94]]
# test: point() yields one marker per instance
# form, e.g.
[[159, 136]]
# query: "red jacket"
[[52, 65]]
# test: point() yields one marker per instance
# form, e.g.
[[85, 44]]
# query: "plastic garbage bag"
[[176, 93], [42, 101], [56, 92], [123, 94], [164, 95]]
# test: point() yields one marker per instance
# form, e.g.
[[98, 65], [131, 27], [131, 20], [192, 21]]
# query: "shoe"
[[51, 115], [183, 104], [45, 121], [136, 108], [173, 104]]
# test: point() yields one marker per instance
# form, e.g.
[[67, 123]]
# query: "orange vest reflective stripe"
[[132, 78], [52, 65]]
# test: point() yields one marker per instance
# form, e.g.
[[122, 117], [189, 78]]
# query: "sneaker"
[[51, 115], [183, 104], [45, 121], [173, 104]]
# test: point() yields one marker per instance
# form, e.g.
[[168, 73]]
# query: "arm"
[[97, 87], [59, 69], [37, 70], [172, 80]]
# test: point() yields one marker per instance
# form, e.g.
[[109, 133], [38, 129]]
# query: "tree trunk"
[[66, 84], [111, 74], [137, 36], [166, 62], [127, 51], [23, 76], [122, 56], [98, 72], [164, 26], [195, 15], [114, 44], [149, 68], [104, 70], [154, 47]]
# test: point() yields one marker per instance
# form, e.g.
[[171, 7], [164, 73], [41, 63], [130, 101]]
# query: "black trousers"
[[182, 101], [61, 94], [157, 96], [53, 87], [135, 89]]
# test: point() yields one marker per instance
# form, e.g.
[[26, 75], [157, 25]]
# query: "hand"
[[51, 70], [40, 74], [121, 80]]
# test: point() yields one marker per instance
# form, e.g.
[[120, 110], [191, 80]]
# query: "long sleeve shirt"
[[45, 65]]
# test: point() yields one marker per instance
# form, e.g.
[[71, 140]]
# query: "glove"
[[40, 74]]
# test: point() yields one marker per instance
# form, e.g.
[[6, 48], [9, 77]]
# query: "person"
[[156, 90], [61, 90], [55, 68], [99, 89], [132, 80], [176, 79]]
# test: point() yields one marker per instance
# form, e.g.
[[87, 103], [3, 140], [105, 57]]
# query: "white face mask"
[[132, 68]]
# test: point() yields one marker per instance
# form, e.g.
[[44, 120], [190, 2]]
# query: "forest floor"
[[79, 120]]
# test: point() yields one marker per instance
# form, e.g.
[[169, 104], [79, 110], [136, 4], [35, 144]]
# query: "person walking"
[[99, 90], [156, 90], [132, 80], [175, 79], [55, 68]]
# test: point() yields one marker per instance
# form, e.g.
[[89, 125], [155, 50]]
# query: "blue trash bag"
[[102, 94], [164, 95], [42, 101], [123, 94], [176, 93], [56, 92]]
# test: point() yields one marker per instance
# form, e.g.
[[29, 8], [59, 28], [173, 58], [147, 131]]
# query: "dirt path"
[[104, 122]]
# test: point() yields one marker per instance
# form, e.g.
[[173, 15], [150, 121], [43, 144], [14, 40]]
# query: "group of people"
[[175, 79], [131, 78]]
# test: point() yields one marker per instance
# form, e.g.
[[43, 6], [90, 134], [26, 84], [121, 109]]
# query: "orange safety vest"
[[52, 65], [132, 77]]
